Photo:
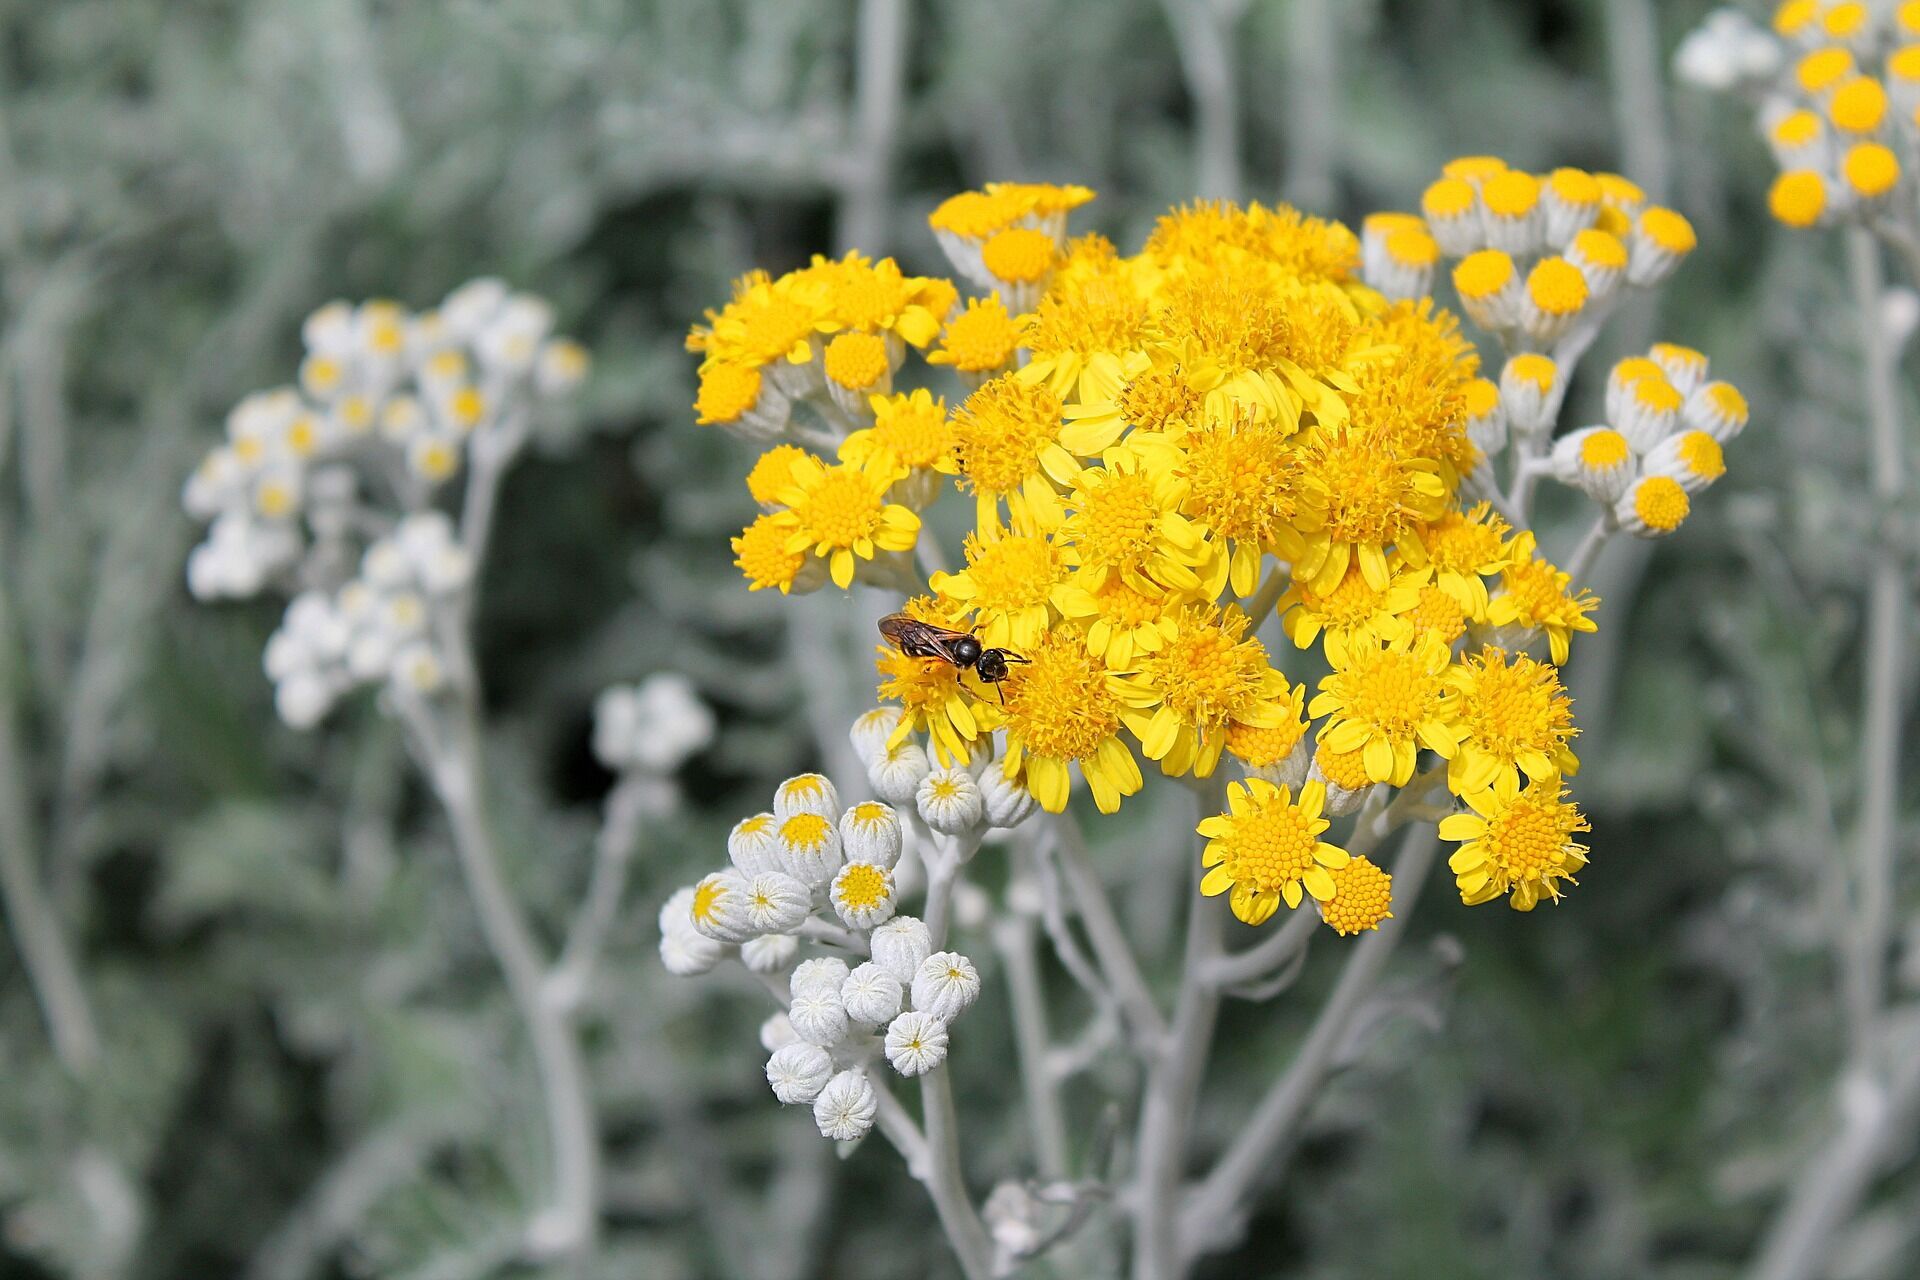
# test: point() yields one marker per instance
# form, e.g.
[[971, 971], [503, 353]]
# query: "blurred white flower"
[[654, 725], [683, 949], [1726, 49]]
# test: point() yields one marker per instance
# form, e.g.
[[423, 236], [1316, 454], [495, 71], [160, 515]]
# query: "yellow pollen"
[[1259, 748], [1000, 430], [1823, 68], [1391, 689], [857, 360], [1019, 254], [982, 338], [1576, 187], [1660, 503], [1858, 106], [1529, 836], [726, 392], [1727, 399], [1272, 845], [1657, 395], [1844, 20], [861, 885], [1119, 522], [1601, 248], [1794, 15], [1439, 614], [773, 472], [807, 831], [1242, 477], [1236, 323], [1796, 129], [842, 509], [705, 897], [1511, 194], [1480, 397], [1668, 230], [1537, 369], [1344, 769], [1362, 897], [1904, 63], [1604, 450], [1513, 704], [1871, 169], [1207, 671], [1702, 455], [1557, 287], [1061, 703], [1413, 246], [760, 552], [915, 432], [1483, 274], [1159, 400], [1016, 572], [1447, 198]]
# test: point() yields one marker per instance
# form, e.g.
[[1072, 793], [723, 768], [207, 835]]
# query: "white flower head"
[[872, 995], [753, 846], [561, 367], [776, 902], [418, 667], [1645, 409], [683, 949], [809, 849], [950, 802], [862, 895], [846, 1107], [1529, 386], [769, 953], [900, 945], [1008, 802], [776, 1032], [654, 725], [916, 1042], [720, 907], [303, 698], [870, 832], [945, 985], [1726, 49], [823, 973], [1598, 461], [818, 1017], [895, 772], [870, 732], [468, 309], [807, 793], [798, 1072]]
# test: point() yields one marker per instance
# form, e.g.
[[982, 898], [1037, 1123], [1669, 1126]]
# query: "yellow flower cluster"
[[1163, 448], [1845, 107]]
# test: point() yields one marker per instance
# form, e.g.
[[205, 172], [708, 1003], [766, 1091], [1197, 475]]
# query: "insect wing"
[[919, 639]]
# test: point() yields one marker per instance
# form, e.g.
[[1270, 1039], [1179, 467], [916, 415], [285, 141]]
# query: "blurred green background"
[[308, 1066]]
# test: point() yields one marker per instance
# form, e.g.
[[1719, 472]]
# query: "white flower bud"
[[806, 793], [809, 849], [863, 895], [945, 985], [916, 1042], [302, 699], [870, 732], [900, 945], [823, 973], [950, 802], [770, 952], [1008, 802], [798, 1072], [776, 1033], [846, 1107], [872, 995], [687, 955], [720, 904], [754, 845], [1529, 384], [776, 903], [1595, 460], [1646, 411], [870, 832], [895, 772], [818, 1017]]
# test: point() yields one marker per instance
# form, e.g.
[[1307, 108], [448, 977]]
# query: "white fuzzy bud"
[[719, 910], [872, 995], [900, 945], [896, 771], [950, 802], [818, 1017], [845, 1109], [798, 1072], [870, 832], [870, 732], [685, 955], [916, 1042], [824, 973], [945, 985], [754, 844], [809, 849], [807, 793], [777, 1032], [770, 952], [1008, 802], [776, 903]]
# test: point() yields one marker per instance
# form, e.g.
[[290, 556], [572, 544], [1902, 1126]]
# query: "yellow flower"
[[1514, 718], [1515, 841], [1464, 549], [842, 514], [1242, 476], [1268, 746], [909, 432], [1534, 596], [772, 474], [766, 321], [1206, 675], [877, 297], [1120, 619], [728, 392], [1064, 708], [1231, 336], [980, 341], [1007, 585], [1092, 306], [1267, 848], [936, 698], [1124, 521], [1122, 391], [1362, 897], [761, 554], [1353, 612], [1387, 700], [1416, 388], [1364, 494], [1007, 439]]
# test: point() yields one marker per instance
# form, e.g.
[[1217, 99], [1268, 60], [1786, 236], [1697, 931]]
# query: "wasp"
[[962, 649]]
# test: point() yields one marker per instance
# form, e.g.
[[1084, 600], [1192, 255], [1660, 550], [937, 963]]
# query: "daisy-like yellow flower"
[[1387, 700], [1065, 708], [1515, 841], [1092, 306], [760, 552], [1242, 476], [1118, 393], [1266, 849], [936, 698], [1232, 337], [910, 432], [1007, 441], [1008, 584], [1364, 496], [1535, 597], [865, 296], [979, 342], [842, 515], [1362, 897], [766, 321], [1270, 746], [1120, 620], [772, 474], [1354, 611], [1465, 548], [1124, 521], [1206, 675], [1514, 718]]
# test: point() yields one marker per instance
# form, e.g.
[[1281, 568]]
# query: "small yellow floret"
[[1661, 503], [1798, 197], [1529, 367], [1511, 194], [1871, 169], [857, 361], [1604, 450], [1858, 106], [1021, 255], [726, 391], [1823, 68], [1556, 286], [1447, 198], [1483, 274], [1669, 230]]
